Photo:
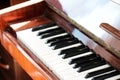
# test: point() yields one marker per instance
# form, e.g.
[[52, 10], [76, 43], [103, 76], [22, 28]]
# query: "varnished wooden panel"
[[14, 2]]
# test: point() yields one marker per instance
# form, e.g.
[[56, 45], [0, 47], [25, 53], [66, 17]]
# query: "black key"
[[81, 51], [72, 50], [87, 62], [91, 65], [83, 58], [98, 72], [61, 41], [58, 38], [105, 76], [67, 43], [44, 26], [53, 33], [64, 39], [48, 31]]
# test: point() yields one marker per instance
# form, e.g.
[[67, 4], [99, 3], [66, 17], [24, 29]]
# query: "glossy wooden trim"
[[33, 23], [110, 29], [14, 2], [4, 66], [23, 12], [37, 71], [55, 3], [59, 19], [22, 55], [23, 59]]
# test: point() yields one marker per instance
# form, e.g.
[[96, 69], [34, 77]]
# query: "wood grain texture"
[[23, 56], [14, 2], [110, 29], [37, 71], [23, 13]]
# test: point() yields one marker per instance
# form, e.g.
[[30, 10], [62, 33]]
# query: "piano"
[[64, 40]]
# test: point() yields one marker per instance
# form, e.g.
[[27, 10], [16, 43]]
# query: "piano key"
[[83, 59], [93, 65], [63, 44], [52, 34], [62, 48], [57, 59], [87, 62], [72, 73], [58, 38], [51, 57], [105, 76], [66, 47], [72, 50], [40, 57], [44, 26], [81, 51], [104, 70], [60, 41], [54, 58], [45, 39], [48, 31]]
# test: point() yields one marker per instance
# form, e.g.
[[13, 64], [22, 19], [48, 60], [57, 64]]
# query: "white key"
[[45, 29], [71, 73], [50, 57], [54, 58]]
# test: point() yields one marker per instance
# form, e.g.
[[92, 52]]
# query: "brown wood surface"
[[33, 23], [14, 2], [37, 71], [23, 56], [110, 29], [23, 13]]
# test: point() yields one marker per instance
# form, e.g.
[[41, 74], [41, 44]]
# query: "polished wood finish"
[[14, 2], [33, 23], [8, 73], [22, 58], [36, 71], [45, 13], [110, 29], [13, 71], [4, 66], [26, 11]]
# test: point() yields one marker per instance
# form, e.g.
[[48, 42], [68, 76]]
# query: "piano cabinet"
[[41, 12], [9, 68], [14, 2]]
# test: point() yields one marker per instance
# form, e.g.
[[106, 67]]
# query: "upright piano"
[[64, 39]]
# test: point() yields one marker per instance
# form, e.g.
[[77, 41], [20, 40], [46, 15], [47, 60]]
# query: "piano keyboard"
[[66, 56]]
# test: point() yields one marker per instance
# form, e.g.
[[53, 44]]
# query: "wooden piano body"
[[33, 13]]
